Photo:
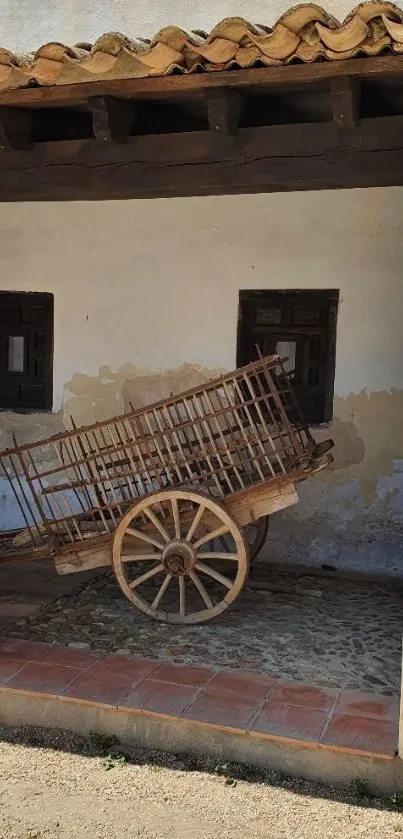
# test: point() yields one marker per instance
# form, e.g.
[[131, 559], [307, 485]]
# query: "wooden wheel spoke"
[[160, 593], [179, 535], [208, 537], [144, 537], [218, 555], [146, 576], [182, 596], [201, 589], [157, 524], [211, 572], [195, 523], [175, 513]]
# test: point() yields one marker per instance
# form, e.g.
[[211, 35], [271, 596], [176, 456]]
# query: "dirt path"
[[47, 792]]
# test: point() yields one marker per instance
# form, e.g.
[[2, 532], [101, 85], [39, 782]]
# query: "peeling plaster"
[[367, 428], [28, 428], [95, 398], [368, 432]]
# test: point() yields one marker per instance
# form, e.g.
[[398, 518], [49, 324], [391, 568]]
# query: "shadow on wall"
[[349, 449], [368, 432]]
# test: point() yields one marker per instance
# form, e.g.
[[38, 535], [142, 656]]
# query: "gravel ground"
[[58, 786], [326, 631]]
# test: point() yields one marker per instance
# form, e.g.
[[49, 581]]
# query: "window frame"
[[28, 299], [327, 300]]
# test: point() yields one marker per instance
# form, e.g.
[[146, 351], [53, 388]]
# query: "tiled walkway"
[[346, 721]]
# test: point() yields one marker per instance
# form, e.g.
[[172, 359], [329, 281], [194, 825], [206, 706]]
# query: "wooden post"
[[224, 109], [111, 118], [345, 94]]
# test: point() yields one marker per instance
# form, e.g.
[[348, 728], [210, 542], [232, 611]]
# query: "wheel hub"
[[178, 557]]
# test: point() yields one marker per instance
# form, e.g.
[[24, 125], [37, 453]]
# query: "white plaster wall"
[[26, 24], [155, 283]]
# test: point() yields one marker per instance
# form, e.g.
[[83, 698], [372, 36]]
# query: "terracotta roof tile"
[[306, 33]]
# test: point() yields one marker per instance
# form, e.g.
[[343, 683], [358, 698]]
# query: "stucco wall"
[[146, 287], [25, 24]]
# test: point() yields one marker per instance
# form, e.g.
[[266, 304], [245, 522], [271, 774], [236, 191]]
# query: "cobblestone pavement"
[[330, 632]]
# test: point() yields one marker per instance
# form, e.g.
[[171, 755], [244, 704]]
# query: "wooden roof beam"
[[266, 159]]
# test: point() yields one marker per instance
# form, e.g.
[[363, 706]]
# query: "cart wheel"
[[169, 534], [256, 534]]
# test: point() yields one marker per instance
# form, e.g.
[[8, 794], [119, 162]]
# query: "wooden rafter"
[[384, 66]]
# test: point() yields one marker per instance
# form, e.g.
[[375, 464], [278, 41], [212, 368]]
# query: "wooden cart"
[[165, 495]]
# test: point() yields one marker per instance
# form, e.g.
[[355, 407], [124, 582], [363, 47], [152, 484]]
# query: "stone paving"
[[27, 587], [325, 631]]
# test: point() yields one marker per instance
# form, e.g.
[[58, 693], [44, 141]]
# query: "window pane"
[[287, 349], [16, 346]]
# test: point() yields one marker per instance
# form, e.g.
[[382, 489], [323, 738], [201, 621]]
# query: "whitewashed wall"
[[155, 283], [146, 286], [26, 24]]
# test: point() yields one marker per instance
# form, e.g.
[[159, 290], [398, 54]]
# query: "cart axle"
[[178, 557]]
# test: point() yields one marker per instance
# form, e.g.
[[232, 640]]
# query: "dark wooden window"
[[26, 351], [300, 325]]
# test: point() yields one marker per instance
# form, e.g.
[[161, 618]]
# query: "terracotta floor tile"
[[133, 667], [70, 657], [368, 705], [291, 721], [9, 667], [96, 685], [183, 674], [44, 678], [362, 734], [163, 697], [28, 650], [249, 687], [307, 696], [222, 707]]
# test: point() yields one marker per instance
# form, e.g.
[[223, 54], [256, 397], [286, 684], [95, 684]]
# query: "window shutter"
[[301, 327], [26, 350]]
